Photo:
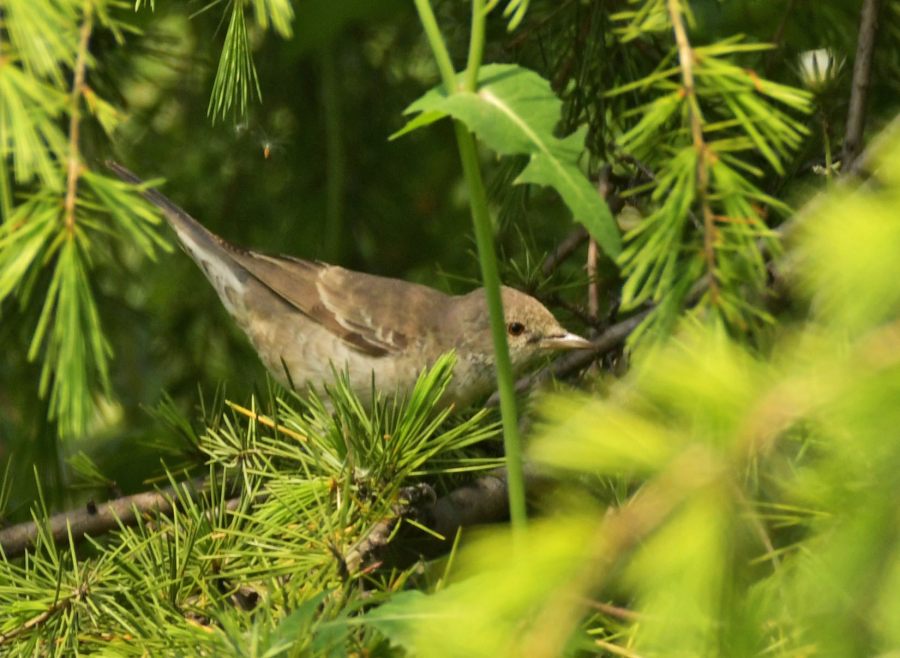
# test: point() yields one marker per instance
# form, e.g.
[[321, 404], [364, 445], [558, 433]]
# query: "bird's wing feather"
[[370, 314], [367, 312]]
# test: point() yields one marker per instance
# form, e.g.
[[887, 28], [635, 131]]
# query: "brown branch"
[[686, 58], [593, 293], [593, 300], [565, 249], [775, 54], [482, 501], [613, 610], [95, 519], [74, 165], [862, 73]]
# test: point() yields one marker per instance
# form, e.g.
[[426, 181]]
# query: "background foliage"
[[746, 461]]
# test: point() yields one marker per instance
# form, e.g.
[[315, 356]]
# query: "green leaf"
[[515, 112]]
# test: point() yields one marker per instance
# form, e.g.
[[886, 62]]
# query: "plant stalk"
[[484, 239]]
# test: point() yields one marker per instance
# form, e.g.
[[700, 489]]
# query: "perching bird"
[[303, 317]]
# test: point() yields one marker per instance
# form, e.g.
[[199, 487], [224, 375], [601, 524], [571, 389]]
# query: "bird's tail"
[[189, 230], [209, 251]]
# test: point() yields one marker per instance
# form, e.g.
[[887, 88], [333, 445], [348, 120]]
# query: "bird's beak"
[[566, 341]]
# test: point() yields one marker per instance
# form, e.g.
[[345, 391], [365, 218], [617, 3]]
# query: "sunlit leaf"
[[515, 112]]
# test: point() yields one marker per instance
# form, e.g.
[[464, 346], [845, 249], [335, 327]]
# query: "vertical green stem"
[[5, 193], [481, 221], [512, 442], [436, 41], [476, 45]]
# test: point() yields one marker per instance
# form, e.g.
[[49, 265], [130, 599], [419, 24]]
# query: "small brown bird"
[[302, 317]]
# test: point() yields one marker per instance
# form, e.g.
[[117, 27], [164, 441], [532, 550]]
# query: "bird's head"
[[531, 330]]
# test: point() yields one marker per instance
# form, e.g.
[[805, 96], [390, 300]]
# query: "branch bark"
[[565, 249], [95, 519], [74, 163], [862, 74]]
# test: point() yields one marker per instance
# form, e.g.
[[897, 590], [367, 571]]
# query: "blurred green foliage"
[[731, 495], [763, 520]]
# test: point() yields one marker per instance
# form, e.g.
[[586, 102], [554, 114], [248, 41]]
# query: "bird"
[[308, 319]]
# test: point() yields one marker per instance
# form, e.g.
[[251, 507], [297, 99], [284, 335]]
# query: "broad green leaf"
[[515, 112]]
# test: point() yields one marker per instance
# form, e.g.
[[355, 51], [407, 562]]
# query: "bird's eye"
[[515, 328]]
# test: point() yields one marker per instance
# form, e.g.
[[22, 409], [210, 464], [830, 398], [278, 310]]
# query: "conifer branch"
[[686, 57], [79, 71], [57, 607]]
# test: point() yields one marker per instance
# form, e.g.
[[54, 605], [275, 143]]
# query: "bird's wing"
[[369, 313]]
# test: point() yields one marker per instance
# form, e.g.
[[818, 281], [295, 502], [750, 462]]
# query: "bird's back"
[[306, 316]]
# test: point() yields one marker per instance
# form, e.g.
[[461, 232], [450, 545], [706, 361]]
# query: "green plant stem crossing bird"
[[306, 318]]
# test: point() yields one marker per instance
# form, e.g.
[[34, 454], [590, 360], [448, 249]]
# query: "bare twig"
[[74, 164], [411, 501], [565, 249], [593, 301], [267, 422], [377, 539], [95, 519], [614, 610], [775, 54], [862, 72]]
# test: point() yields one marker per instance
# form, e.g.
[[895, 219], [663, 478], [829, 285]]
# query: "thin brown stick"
[[268, 422], [593, 295], [565, 249], [74, 164], [862, 73], [775, 54], [374, 541], [686, 58], [94, 520], [593, 300], [614, 610]]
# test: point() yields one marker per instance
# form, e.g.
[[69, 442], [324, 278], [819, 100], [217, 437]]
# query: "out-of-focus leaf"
[[681, 574], [506, 599], [855, 288], [279, 13], [594, 436]]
